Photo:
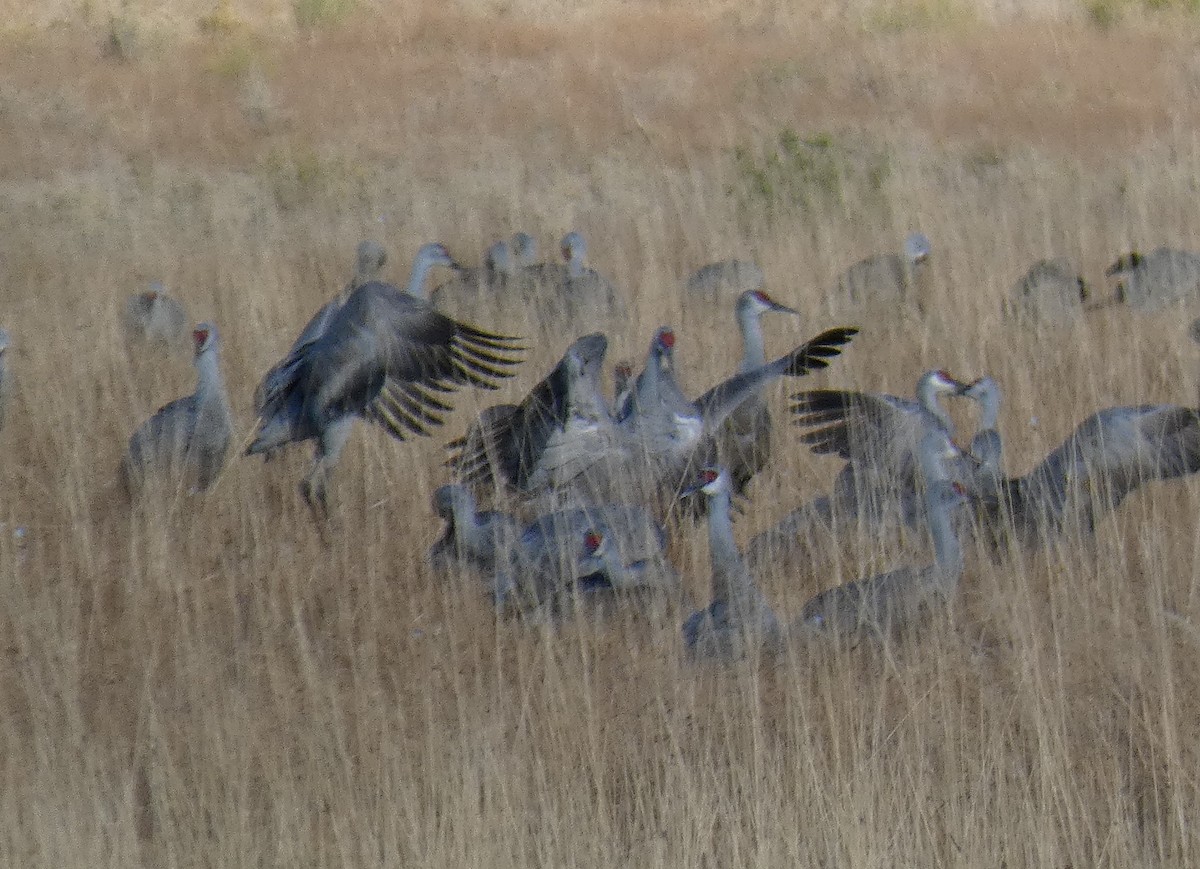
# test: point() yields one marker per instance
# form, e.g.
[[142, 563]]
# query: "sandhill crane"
[[477, 540], [606, 565], [744, 441], [557, 432], [570, 294], [886, 277], [385, 355], [987, 448], [1164, 276], [888, 601], [188, 439], [155, 317], [369, 260], [524, 249], [878, 436], [5, 382], [623, 381], [630, 551], [1108, 456], [739, 619], [672, 435], [562, 436], [473, 291], [552, 554], [726, 279], [1052, 290]]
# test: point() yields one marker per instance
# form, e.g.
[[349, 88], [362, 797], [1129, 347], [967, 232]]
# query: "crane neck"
[[754, 352], [989, 403], [416, 281], [209, 383], [729, 572], [947, 550], [927, 397], [575, 266]]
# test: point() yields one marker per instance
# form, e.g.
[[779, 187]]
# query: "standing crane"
[[188, 439]]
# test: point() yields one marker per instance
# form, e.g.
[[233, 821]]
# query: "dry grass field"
[[202, 682]]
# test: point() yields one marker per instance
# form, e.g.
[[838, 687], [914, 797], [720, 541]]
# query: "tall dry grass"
[[201, 681]]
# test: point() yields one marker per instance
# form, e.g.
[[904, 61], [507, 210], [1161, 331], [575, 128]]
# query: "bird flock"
[[586, 489]]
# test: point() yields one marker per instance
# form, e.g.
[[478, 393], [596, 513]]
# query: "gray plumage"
[[476, 292], [633, 557], [1108, 456], [888, 278], [472, 540], [726, 279], [384, 355], [524, 249], [673, 432], [878, 435], [563, 434], [744, 439], [1151, 281], [606, 565], [557, 433], [369, 260], [571, 295], [1051, 291], [889, 601], [155, 317], [739, 619], [987, 448], [188, 439]]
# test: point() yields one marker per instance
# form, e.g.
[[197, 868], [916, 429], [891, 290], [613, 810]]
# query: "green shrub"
[[320, 13]]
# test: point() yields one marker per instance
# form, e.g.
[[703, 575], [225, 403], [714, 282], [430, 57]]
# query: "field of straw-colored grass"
[[202, 682]]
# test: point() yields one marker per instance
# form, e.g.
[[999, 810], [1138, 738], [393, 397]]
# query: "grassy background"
[[202, 682]]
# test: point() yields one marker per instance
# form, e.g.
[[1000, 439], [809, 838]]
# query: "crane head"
[[592, 541], [204, 336], [761, 303]]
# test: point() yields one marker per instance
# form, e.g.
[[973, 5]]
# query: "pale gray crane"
[[369, 260], [629, 549], [878, 436], [559, 431], [739, 619], [672, 435], [155, 317], [571, 294], [887, 277], [987, 448], [1051, 291], [1151, 281], [477, 540], [605, 566], [473, 292], [563, 434], [744, 440], [188, 439], [728, 278], [1108, 456], [384, 355], [524, 249], [887, 602], [543, 571]]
